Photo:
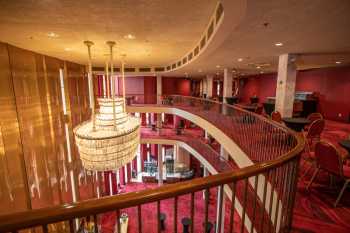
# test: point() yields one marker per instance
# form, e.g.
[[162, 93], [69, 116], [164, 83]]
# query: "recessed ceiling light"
[[234, 71], [261, 72], [217, 66], [258, 67], [67, 49], [52, 35], [129, 37], [279, 44], [200, 71], [240, 59], [338, 62]]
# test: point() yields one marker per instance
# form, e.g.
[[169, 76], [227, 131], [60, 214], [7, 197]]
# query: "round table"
[[296, 123], [345, 144]]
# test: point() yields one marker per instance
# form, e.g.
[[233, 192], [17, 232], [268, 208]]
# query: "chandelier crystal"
[[110, 139]]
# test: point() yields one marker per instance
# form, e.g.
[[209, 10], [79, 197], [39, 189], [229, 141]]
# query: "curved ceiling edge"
[[226, 16], [232, 14]]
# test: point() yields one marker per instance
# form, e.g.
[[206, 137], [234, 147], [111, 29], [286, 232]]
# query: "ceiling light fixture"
[[258, 67], [338, 62], [129, 37], [240, 59], [200, 71], [217, 66], [67, 49], [278, 44], [110, 139], [52, 35]]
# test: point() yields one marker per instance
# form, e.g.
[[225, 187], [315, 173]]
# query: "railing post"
[[220, 212]]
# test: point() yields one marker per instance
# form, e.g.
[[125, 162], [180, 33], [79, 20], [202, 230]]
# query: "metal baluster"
[[118, 221], [158, 216], [95, 223], [206, 209], [192, 212], [263, 204], [221, 197], [233, 199], [71, 226], [139, 216], [280, 177], [255, 198], [244, 203], [273, 173], [286, 191], [175, 214], [45, 229], [294, 184]]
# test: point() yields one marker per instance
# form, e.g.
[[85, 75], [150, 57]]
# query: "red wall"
[[150, 90], [333, 85], [133, 85], [260, 85], [176, 86]]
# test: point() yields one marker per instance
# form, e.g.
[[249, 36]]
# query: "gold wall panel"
[[27, 72], [13, 187], [35, 171], [79, 111]]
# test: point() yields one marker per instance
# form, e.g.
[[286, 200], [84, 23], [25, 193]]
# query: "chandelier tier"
[[106, 149], [110, 139]]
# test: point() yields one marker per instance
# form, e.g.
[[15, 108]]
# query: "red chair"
[[312, 136], [329, 159], [259, 109], [313, 117], [276, 116]]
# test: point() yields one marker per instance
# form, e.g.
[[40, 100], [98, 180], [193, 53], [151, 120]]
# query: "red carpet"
[[149, 213], [314, 211]]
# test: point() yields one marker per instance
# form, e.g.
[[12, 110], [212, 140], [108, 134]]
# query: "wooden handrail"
[[44, 216], [27, 219]]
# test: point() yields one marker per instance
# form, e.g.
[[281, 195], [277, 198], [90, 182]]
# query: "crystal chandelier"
[[110, 139]]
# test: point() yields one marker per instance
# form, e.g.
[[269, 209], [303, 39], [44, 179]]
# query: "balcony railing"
[[262, 195]]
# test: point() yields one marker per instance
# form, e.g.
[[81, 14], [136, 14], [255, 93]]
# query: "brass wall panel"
[[78, 111], [33, 146], [27, 70], [52, 110], [13, 187]]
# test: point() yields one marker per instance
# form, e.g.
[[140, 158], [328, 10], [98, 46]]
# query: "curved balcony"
[[210, 158], [261, 191]]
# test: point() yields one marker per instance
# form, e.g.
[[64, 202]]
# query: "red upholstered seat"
[[313, 117], [346, 171], [276, 116], [329, 159], [311, 137]]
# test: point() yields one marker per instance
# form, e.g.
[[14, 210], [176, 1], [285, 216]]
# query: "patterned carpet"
[[314, 211], [149, 213]]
